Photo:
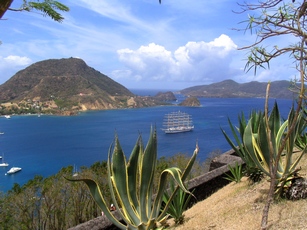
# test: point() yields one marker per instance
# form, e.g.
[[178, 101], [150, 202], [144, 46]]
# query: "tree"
[[277, 18], [49, 8]]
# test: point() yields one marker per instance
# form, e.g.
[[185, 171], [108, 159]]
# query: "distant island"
[[190, 101], [232, 89], [68, 86]]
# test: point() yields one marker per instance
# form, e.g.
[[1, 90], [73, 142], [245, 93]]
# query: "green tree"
[[269, 20], [49, 8]]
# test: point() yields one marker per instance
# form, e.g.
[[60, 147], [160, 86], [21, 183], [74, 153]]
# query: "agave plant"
[[131, 185], [251, 170], [264, 153], [235, 174], [179, 203]]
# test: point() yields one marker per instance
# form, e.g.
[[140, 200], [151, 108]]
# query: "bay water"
[[43, 145]]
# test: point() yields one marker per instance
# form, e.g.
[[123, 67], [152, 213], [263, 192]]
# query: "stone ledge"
[[99, 223]]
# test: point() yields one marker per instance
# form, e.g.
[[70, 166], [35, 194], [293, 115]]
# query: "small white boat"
[[7, 116], [75, 173], [3, 164], [13, 170]]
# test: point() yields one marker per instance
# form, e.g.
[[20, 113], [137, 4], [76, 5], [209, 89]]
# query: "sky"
[[140, 44]]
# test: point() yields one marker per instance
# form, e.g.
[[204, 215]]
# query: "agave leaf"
[[252, 147], [239, 149], [178, 199], [281, 133], [262, 142], [260, 156], [279, 138], [242, 124], [293, 166], [256, 118], [147, 167], [183, 177], [132, 168], [274, 120], [120, 180], [190, 164], [110, 184], [175, 173], [301, 137]]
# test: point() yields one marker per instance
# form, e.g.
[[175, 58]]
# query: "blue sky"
[[139, 43]]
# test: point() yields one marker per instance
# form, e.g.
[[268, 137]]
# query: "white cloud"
[[11, 64], [193, 62], [16, 60], [152, 60], [137, 42], [121, 12]]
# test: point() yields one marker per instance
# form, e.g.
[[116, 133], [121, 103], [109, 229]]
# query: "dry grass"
[[239, 206]]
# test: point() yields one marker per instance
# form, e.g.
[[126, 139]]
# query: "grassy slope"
[[239, 206]]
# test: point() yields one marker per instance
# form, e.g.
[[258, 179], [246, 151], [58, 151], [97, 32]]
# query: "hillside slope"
[[60, 77], [58, 85], [231, 89], [239, 206]]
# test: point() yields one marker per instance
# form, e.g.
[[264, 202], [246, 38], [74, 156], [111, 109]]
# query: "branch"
[[49, 8]]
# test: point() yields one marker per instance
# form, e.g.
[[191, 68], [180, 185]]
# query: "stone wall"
[[202, 186]]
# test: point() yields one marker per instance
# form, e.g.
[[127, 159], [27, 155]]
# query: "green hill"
[[230, 88], [65, 86]]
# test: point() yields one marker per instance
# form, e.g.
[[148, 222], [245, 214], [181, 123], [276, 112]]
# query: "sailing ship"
[[3, 164], [177, 122]]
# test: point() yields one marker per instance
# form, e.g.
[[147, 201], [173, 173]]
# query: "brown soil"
[[240, 205]]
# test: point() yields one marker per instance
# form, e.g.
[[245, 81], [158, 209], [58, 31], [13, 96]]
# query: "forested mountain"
[[66, 86], [66, 78], [230, 88]]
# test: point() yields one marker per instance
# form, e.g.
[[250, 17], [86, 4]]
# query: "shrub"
[[235, 174]]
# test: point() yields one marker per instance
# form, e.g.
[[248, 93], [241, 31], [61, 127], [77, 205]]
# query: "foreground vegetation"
[[54, 203], [137, 199]]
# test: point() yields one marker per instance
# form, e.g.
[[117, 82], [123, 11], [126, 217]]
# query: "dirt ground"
[[240, 205]]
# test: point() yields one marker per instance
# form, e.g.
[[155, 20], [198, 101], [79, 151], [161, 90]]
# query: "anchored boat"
[[13, 170], [3, 164], [177, 122]]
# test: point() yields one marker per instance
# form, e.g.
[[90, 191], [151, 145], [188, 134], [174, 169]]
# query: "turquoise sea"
[[43, 145]]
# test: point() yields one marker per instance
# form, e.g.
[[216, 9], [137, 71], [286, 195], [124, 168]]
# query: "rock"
[[167, 96], [298, 189], [190, 101]]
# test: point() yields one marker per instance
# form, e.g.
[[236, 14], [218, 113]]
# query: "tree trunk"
[[4, 5], [265, 213]]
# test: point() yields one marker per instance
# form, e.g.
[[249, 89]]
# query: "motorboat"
[[13, 170]]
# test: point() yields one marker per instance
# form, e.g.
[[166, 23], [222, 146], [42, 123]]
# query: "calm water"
[[43, 145]]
